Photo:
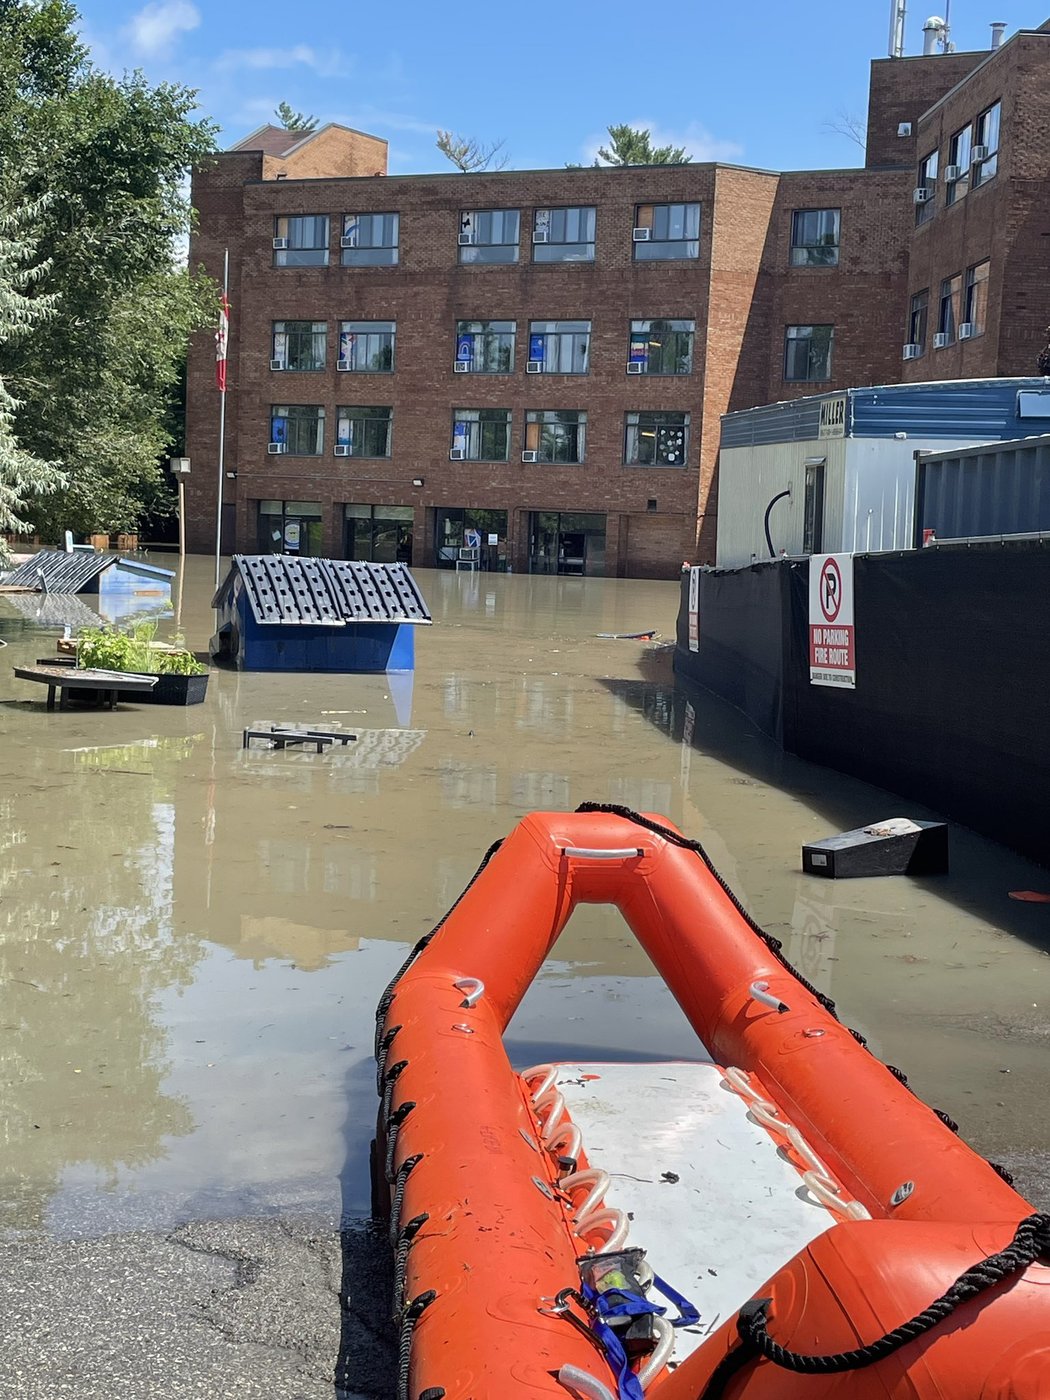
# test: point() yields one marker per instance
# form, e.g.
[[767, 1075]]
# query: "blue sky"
[[760, 83]]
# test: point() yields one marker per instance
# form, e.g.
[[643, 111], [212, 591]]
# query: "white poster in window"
[[291, 534], [694, 609], [832, 638], [493, 539]]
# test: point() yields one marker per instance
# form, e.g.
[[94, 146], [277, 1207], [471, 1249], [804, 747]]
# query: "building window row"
[[555, 436], [962, 311], [566, 234], [972, 160], [657, 346], [815, 237]]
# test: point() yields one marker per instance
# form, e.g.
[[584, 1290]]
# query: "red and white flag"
[[222, 338]]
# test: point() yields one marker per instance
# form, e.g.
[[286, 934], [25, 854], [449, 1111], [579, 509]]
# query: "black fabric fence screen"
[[953, 678]]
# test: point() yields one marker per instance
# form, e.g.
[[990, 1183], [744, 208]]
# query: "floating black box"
[[894, 847]]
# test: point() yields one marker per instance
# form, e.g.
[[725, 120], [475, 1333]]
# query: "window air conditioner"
[[530, 456], [280, 243], [465, 240], [457, 454], [941, 339], [966, 330], [540, 235], [922, 194], [348, 240], [534, 367], [978, 154], [275, 447], [951, 173], [341, 449], [461, 366], [342, 364], [277, 364], [912, 350], [634, 366], [641, 235]]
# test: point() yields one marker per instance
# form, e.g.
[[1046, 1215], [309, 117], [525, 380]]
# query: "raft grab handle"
[[760, 992], [596, 853], [473, 987]]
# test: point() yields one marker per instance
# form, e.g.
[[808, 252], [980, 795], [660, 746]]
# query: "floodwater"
[[193, 935]]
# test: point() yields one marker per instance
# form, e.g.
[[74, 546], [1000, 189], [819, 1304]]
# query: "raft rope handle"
[[760, 992], [661, 1353], [549, 1074], [570, 1139], [1030, 1243], [826, 1190], [550, 1110], [607, 1215], [597, 853], [476, 991], [599, 1181]]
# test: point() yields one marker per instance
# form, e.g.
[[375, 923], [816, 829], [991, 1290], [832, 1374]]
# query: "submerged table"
[[66, 678]]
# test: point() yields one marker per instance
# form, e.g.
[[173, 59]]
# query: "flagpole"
[[222, 423]]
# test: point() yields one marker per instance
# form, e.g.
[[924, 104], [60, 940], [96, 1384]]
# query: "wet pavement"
[[193, 938]]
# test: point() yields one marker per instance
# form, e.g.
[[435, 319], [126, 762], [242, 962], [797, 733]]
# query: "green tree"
[[95, 379], [292, 120], [468, 154], [631, 145]]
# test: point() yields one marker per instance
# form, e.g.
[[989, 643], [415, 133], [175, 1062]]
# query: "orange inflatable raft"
[[835, 1235]]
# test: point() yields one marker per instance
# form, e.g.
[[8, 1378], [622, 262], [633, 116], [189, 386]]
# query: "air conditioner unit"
[[348, 240], [341, 449], [280, 243], [540, 235], [941, 339], [641, 235], [904, 128], [534, 367], [342, 364], [457, 454], [277, 364], [951, 173], [967, 330], [465, 240], [922, 194], [978, 154], [635, 367], [912, 350], [273, 448], [461, 366], [530, 456]]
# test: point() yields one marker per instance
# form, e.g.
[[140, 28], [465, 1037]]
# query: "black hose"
[[765, 522]]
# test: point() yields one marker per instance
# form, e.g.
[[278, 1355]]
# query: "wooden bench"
[[64, 679]]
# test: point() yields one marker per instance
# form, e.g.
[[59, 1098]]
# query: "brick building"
[[538, 360]]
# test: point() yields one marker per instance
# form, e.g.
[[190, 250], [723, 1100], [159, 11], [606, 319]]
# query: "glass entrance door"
[[290, 527], [566, 542], [378, 534]]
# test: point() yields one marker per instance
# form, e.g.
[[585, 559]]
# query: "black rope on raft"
[[404, 1241], [404, 1171], [392, 1128], [409, 1318], [390, 1078], [384, 1050], [774, 945], [1031, 1241]]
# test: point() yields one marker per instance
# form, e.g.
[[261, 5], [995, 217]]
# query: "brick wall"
[[900, 90]]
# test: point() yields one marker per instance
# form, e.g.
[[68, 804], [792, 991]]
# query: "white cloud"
[[155, 29], [323, 65], [699, 143]]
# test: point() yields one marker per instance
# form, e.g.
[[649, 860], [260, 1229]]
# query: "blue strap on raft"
[[632, 1305]]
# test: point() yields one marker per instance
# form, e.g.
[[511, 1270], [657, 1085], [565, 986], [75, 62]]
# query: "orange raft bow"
[[486, 1234]]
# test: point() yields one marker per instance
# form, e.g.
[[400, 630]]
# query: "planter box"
[[171, 690], [99, 541], [127, 542]]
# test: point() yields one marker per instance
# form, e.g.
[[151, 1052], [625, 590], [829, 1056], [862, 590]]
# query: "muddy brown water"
[[193, 936]]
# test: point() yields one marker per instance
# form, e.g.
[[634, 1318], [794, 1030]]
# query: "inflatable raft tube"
[[923, 1275]]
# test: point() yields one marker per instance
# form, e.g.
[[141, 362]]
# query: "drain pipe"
[[765, 523]]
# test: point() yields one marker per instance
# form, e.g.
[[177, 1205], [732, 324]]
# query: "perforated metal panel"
[[326, 592], [59, 572]]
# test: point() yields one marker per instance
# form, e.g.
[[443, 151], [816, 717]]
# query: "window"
[[986, 135], [485, 347], [807, 353], [559, 347], [959, 157], [925, 205], [661, 347], [481, 434], [290, 527], [951, 306], [556, 435], [666, 231], [815, 237], [976, 307], [301, 241], [813, 509], [454, 524], [489, 235], [365, 431], [378, 534], [563, 235], [656, 439], [917, 320], [367, 347], [370, 240], [298, 344], [298, 429]]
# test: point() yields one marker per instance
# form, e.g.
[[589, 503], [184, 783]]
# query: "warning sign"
[[832, 639], [694, 609]]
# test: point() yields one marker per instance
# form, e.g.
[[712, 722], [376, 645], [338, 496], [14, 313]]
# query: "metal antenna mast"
[[897, 14]]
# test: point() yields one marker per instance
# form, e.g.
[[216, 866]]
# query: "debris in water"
[[1030, 896], [672, 1177]]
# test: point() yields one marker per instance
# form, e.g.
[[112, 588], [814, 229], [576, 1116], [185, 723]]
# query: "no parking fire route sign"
[[832, 638]]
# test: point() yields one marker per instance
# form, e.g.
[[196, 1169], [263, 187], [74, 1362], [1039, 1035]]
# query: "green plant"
[[133, 649]]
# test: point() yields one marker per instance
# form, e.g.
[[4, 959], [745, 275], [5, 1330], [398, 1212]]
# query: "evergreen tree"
[[631, 145], [292, 120]]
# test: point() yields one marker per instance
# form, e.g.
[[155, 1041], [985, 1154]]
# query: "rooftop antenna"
[[946, 37], [897, 13]]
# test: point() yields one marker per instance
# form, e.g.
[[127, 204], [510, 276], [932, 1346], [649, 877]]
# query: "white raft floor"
[[737, 1212]]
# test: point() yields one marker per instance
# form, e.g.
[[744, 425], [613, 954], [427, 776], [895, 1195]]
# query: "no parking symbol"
[[832, 639]]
